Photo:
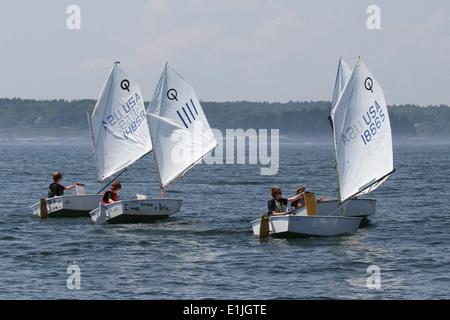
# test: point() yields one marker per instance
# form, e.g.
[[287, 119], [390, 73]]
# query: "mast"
[[93, 144], [158, 91], [342, 76]]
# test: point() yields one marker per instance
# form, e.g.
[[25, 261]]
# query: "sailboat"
[[305, 222], [363, 145], [362, 139], [67, 206], [360, 207], [121, 136], [179, 129]]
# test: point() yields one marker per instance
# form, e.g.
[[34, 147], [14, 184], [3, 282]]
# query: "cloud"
[[233, 42], [257, 50], [183, 43], [156, 6], [221, 31]]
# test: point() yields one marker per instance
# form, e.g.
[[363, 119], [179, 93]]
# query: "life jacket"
[[53, 189], [50, 190], [105, 197], [279, 206]]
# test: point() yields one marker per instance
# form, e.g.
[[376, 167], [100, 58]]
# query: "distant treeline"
[[291, 118]]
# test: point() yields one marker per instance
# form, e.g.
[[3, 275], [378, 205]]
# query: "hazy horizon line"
[[233, 101]]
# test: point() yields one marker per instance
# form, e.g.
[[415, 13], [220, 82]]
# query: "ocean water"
[[208, 251]]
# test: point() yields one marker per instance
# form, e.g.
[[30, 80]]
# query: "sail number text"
[[367, 126], [128, 117], [373, 120]]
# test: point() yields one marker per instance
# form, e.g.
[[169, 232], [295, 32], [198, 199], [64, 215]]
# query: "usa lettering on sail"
[[367, 126], [129, 117], [374, 121]]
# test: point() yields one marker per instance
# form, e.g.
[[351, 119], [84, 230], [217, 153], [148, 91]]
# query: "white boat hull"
[[309, 225], [68, 206], [354, 208], [137, 210]]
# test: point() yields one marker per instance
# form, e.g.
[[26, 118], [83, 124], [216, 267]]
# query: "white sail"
[[342, 76], [119, 125], [362, 134], [180, 132]]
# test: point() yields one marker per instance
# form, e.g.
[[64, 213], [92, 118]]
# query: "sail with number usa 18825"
[[362, 135], [364, 157], [363, 141], [358, 207]]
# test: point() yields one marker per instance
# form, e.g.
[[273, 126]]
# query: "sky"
[[229, 50]]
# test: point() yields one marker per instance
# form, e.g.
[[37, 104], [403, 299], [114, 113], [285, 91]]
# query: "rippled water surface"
[[208, 251]]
